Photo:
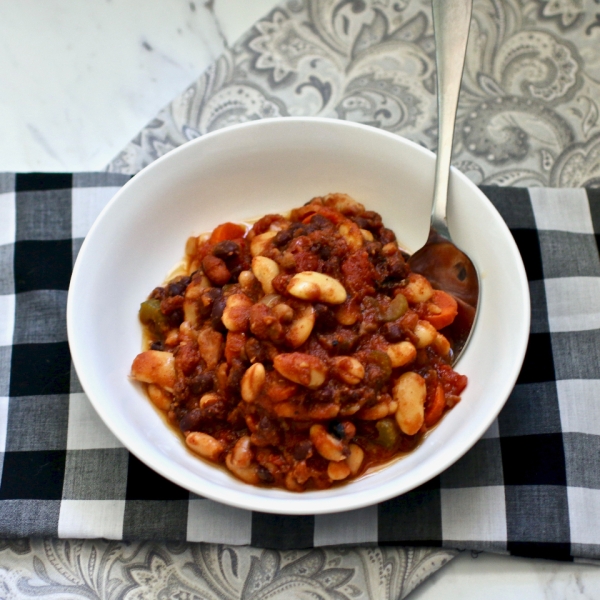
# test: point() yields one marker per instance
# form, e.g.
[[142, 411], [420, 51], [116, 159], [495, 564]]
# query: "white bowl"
[[270, 166]]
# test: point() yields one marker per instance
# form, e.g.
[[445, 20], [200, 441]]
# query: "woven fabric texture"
[[530, 486]]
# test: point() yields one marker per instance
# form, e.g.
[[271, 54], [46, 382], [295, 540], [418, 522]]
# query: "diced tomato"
[[454, 383], [447, 305], [227, 231]]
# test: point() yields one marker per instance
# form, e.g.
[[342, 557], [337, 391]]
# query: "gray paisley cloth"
[[528, 113], [70, 570]]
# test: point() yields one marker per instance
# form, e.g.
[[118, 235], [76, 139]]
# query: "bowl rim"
[[306, 502]]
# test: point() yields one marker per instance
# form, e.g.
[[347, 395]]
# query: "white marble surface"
[[493, 577], [79, 79]]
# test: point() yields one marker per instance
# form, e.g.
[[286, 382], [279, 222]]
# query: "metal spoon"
[[445, 265]]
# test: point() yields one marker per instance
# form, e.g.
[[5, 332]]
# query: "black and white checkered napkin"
[[531, 486]]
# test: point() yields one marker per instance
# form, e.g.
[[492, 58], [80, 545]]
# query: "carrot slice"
[[435, 410], [227, 231], [447, 306]]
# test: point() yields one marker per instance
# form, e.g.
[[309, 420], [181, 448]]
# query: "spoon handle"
[[451, 19]]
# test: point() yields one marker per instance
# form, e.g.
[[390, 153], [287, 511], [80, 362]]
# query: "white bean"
[[160, 398], [317, 287], [418, 289], [252, 382], [410, 392], [305, 369], [260, 242], [337, 471], [237, 312], [205, 445], [210, 346], [355, 459], [327, 445], [154, 366], [426, 334], [351, 233], [401, 353], [350, 370], [240, 462], [301, 327], [265, 270]]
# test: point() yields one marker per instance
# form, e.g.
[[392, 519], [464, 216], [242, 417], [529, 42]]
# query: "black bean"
[[176, 317], [297, 229], [386, 236], [265, 475], [325, 252], [226, 249], [325, 319], [254, 350], [392, 332], [191, 421], [320, 222], [373, 248], [396, 266], [178, 287], [325, 394], [369, 220], [201, 384], [235, 270], [337, 429], [158, 293], [282, 238], [303, 450], [207, 301], [217, 312], [236, 372]]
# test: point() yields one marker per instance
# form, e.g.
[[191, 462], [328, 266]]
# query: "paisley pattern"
[[528, 113], [100, 569]]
